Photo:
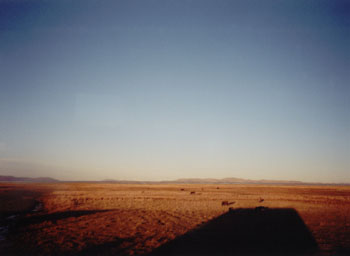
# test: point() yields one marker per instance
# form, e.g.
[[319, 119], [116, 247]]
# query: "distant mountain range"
[[205, 181], [26, 179], [233, 181], [221, 181], [178, 181]]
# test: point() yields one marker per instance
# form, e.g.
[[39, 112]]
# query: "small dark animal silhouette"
[[261, 200], [223, 203], [182, 189], [217, 188], [193, 192]]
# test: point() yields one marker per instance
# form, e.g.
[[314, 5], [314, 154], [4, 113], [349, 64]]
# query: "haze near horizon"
[[160, 90]]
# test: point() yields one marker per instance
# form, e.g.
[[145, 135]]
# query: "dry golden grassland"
[[100, 219]]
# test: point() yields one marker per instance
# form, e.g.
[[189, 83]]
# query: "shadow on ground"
[[53, 217], [17, 201], [246, 231], [20, 225]]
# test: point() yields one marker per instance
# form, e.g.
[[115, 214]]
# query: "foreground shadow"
[[53, 217], [21, 224], [246, 231], [17, 201]]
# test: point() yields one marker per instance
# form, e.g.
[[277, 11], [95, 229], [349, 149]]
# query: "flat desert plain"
[[168, 219]]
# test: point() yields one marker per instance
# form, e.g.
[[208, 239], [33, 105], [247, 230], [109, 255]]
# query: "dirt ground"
[[115, 219]]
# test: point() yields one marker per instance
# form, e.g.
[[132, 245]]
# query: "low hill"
[[232, 181], [26, 179], [178, 181]]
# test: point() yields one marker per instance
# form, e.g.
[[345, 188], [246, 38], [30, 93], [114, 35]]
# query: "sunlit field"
[[110, 219]]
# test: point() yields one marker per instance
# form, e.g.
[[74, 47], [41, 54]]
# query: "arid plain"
[[173, 219]]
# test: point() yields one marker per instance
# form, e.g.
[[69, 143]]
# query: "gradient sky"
[[159, 89]]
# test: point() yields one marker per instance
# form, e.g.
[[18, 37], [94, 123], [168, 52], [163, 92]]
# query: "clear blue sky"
[[159, 89]]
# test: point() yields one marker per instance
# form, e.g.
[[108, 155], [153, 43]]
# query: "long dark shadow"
[[246, 231], [22, 201], [55, 216]]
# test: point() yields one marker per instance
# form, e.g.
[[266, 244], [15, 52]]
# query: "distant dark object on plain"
[[223, 203]]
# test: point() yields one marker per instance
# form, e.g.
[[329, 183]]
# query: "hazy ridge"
[[27, 179], [231, 180]]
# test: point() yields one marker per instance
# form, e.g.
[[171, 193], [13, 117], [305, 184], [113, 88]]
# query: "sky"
[[160, 89]]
